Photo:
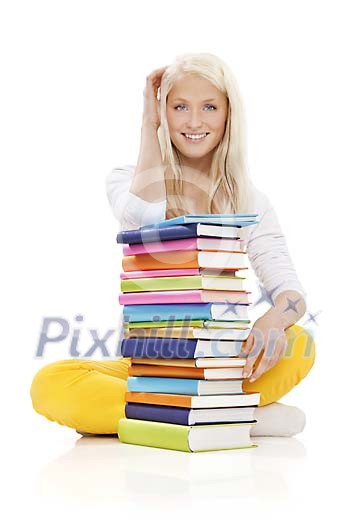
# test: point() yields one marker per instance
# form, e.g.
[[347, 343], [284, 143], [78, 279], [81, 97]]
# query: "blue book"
[[185, 311], [176, 348], [231, 219], [178, 231], [191, 387], [139, 236], [190, 416], [176, 415]]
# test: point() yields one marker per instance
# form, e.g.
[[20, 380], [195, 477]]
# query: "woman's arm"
[[130, 210], [289, 306], [148, 181], [138, 196], [270, 258]]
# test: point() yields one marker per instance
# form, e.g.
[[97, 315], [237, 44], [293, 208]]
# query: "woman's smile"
[[194, 138]]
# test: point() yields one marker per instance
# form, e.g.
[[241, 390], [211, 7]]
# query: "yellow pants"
[[89, 395]]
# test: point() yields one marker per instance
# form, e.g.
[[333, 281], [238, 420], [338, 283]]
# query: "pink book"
[[192, 243], [143, 274], [184, 296], [178, 272]]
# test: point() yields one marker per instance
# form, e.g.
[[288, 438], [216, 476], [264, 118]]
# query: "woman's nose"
[[194, 119]]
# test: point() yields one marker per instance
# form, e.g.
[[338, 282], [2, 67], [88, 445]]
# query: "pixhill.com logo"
[[74, 338]]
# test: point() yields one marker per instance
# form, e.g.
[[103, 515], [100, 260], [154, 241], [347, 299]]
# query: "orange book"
[[185, 372], [203, 401], [185, 259]]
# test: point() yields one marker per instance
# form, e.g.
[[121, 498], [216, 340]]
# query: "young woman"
[[192, 160]]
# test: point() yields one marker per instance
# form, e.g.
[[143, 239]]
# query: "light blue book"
[[192, 387], [185, 311], [227, 219]]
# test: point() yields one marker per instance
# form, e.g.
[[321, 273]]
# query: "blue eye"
[[210, 105]]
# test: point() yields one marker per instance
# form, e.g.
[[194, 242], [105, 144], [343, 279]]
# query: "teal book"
[[228, 219]]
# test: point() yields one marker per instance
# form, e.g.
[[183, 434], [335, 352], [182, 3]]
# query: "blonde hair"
[[229, 183]]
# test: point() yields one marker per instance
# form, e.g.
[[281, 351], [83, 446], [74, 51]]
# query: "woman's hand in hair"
[[151, 108], [267, 341], [148, 182]]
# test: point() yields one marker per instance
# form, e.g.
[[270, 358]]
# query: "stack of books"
[[185, 313]]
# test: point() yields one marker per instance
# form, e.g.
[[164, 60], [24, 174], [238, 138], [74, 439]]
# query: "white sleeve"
[[130, 210], [268, 252]]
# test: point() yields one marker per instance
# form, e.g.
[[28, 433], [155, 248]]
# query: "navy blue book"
[[178, 231], [176, 348], [190, 416]]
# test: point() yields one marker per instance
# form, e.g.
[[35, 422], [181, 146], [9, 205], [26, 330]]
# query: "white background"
[[73, 74]]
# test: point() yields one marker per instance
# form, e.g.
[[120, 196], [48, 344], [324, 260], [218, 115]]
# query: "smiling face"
[[196, 107]]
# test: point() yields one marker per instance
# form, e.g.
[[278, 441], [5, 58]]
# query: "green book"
[[197, 438], [196, 323], [188, 282]]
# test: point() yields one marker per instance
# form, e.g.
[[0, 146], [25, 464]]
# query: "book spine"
[[166, 371], [174, 415], [179, 311], [163, 385], [164, 348], [148, 398], [156, 247], [188, 332], [161, 284], [153, 434], [184, 296], [145, 235], [191, 296], [148, 274], [147, 261]]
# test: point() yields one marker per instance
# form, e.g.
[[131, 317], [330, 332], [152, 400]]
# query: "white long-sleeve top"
[[264, 242]]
